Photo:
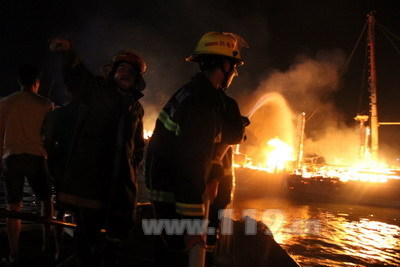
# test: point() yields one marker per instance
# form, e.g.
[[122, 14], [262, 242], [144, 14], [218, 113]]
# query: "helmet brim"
[[195, 58]]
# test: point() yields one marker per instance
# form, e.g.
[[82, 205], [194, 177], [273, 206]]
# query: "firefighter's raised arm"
[[79, 80]]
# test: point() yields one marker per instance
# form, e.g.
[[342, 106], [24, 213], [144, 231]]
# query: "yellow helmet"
[[219, 43]]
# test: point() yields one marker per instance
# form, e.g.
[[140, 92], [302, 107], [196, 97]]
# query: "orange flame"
[[278, 157], [363, 172]]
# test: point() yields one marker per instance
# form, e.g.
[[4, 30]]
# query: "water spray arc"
[[270, 134]]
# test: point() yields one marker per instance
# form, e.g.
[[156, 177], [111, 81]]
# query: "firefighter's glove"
[[59, 45], [192, 240], [217, 170], [246, 121]]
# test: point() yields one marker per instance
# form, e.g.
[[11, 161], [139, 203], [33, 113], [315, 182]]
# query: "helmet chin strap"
[[227, 75], [224, 84]]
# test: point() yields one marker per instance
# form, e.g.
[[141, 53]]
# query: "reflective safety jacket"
[[182, 146]]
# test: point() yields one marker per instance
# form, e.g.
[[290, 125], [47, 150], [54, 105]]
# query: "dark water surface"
[[325, 234]]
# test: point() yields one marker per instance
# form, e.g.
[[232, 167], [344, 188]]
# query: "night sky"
[[282, 35]]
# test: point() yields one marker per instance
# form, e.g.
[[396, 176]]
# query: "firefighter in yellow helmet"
[[217, 50], [185, 141]]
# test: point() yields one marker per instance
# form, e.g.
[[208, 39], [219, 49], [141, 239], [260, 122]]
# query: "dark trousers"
[[89, 223], [14, 170], [169, 249], [221, 201]]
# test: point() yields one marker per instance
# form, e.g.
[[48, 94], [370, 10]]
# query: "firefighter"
[[182, 147], [107, 147]]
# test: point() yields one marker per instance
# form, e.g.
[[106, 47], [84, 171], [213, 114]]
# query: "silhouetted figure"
[[21, 119], [107, 148], [58, 131], [181, 150]]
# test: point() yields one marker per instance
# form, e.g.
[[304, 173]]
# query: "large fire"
[[278, 154], [279, 158], [276, 142]]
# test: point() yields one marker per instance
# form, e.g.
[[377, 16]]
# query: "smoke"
[[339, 146], [307, 82], [307, 86]]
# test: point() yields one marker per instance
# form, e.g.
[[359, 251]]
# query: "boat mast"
[[301, 128], [372, 87]]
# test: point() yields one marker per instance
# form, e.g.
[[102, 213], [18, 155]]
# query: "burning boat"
[[285, 161]]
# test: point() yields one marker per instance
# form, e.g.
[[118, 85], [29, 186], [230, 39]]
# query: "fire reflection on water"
[[345, 235]]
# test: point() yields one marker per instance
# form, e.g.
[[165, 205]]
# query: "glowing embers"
[[366, 172]]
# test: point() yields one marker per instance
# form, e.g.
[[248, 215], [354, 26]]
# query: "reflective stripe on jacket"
[[181, 148]]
